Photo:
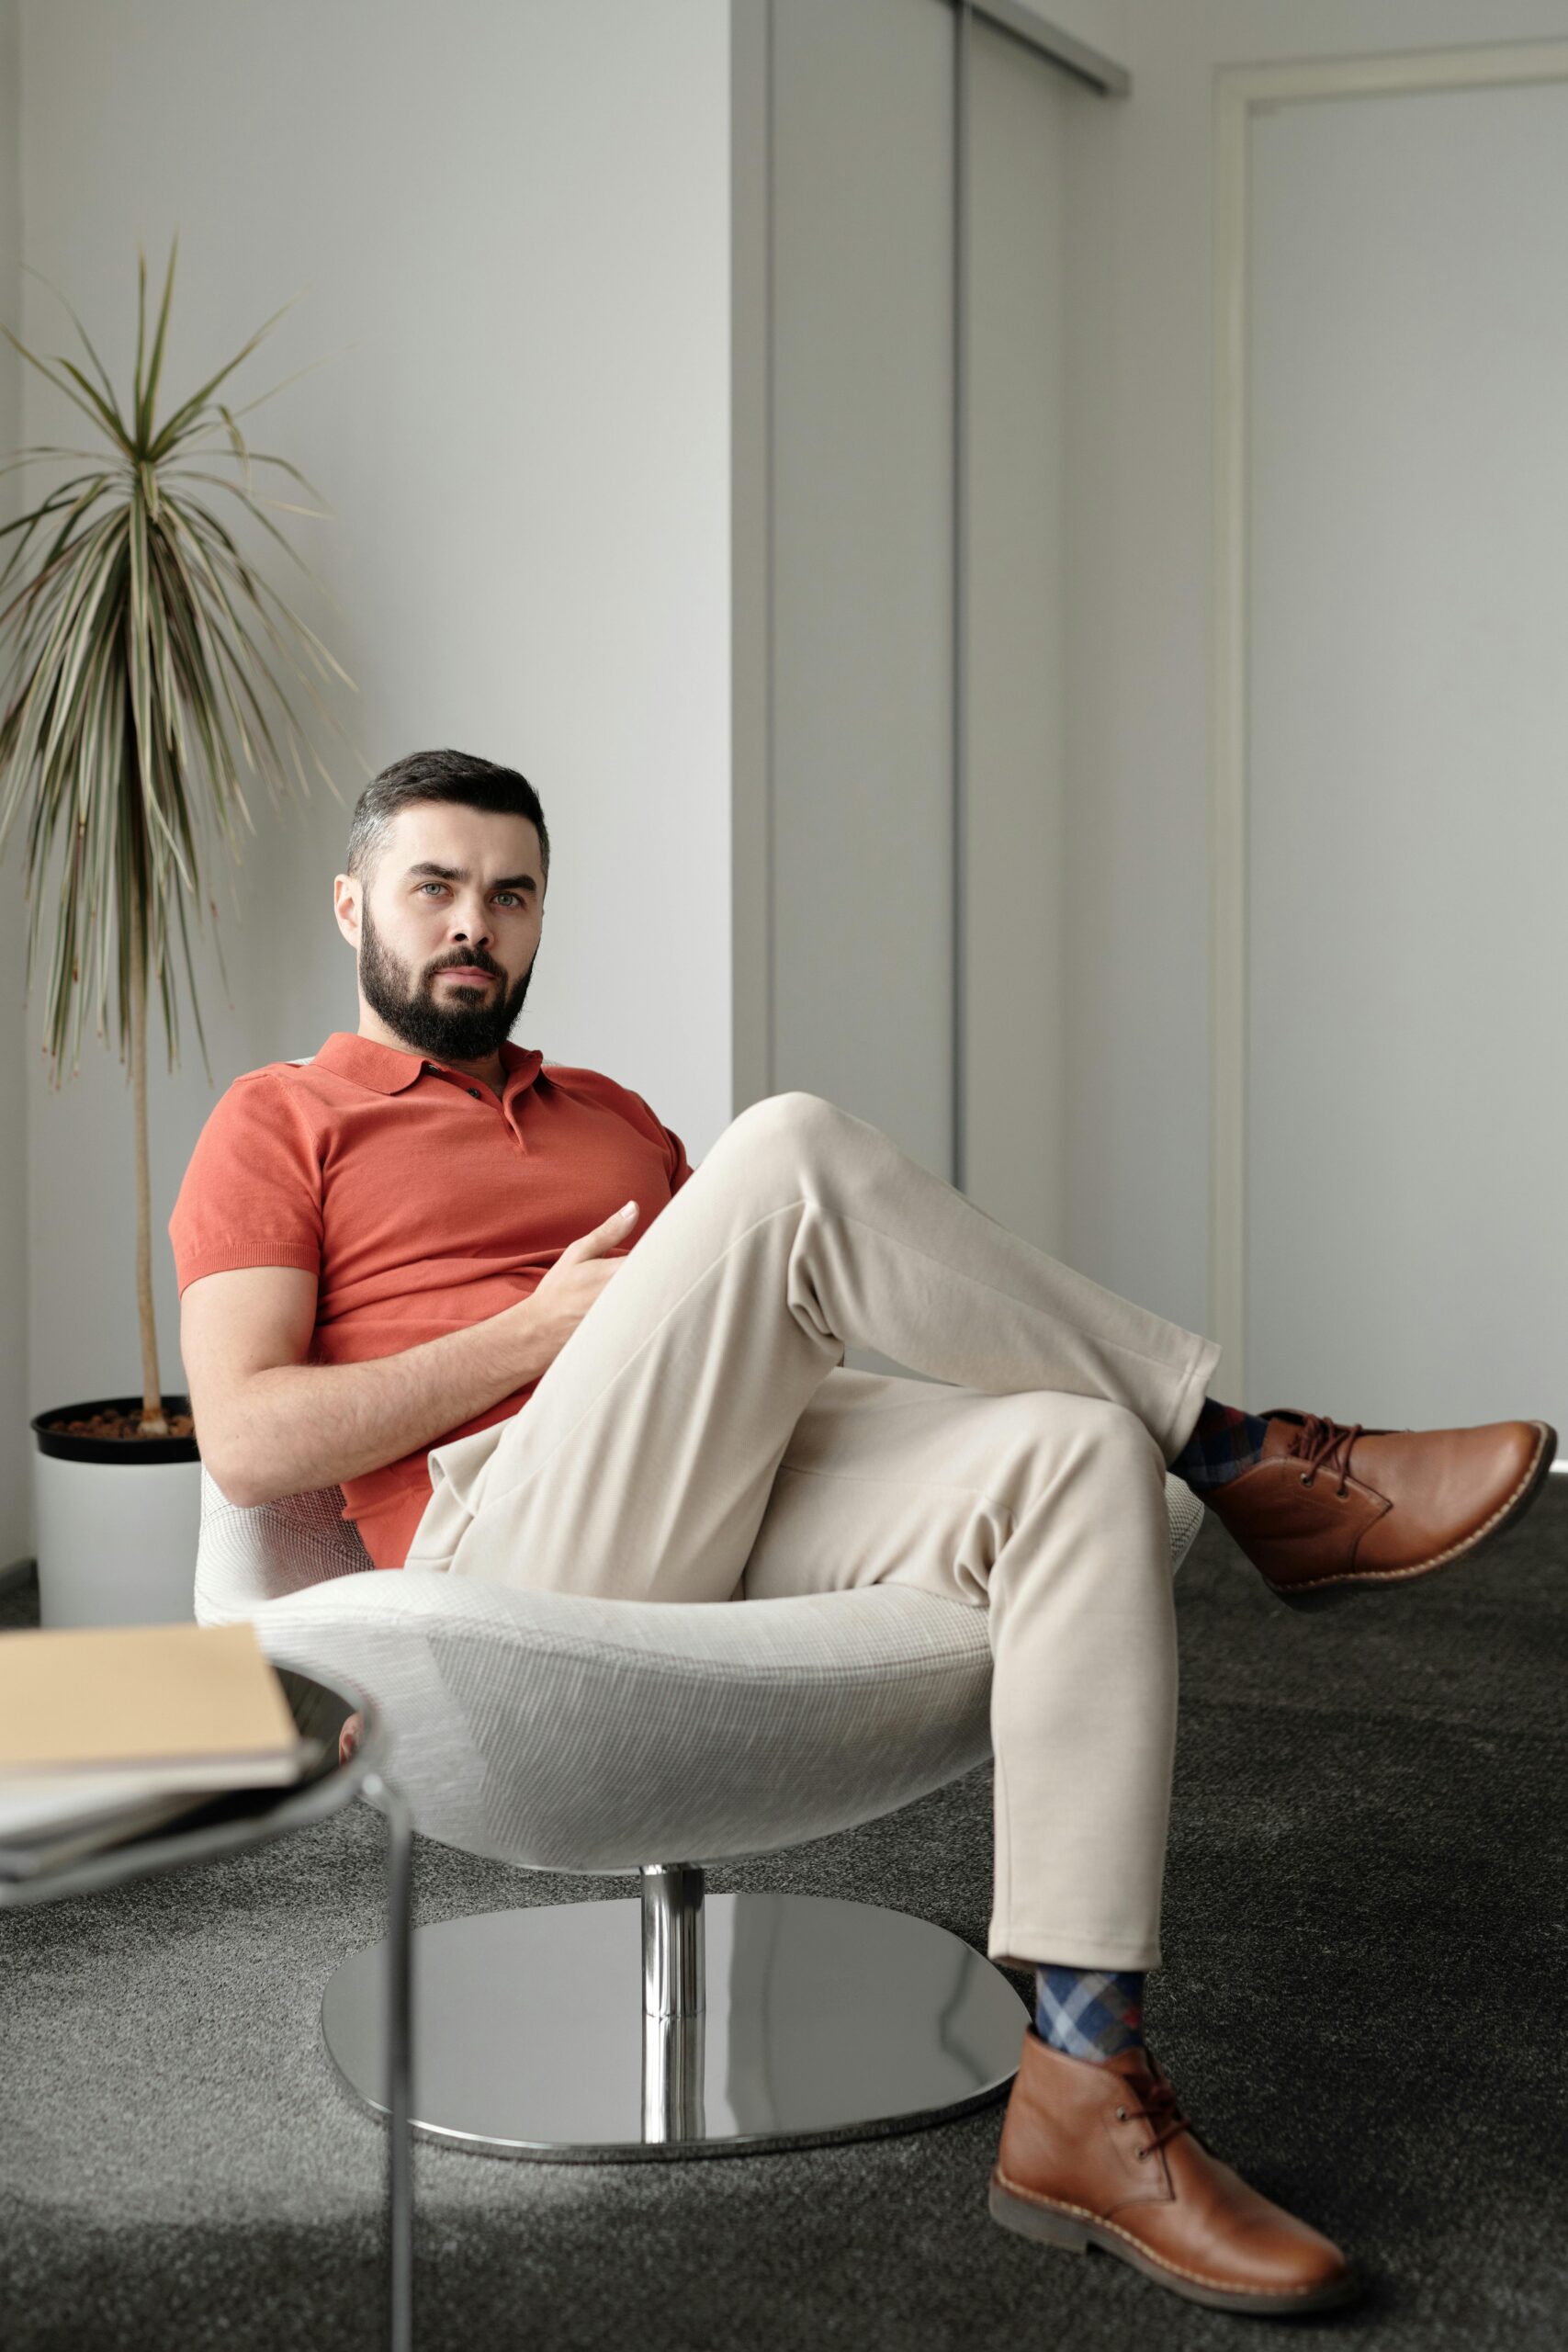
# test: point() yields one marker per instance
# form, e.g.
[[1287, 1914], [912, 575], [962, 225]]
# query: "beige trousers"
[[699, 1438]]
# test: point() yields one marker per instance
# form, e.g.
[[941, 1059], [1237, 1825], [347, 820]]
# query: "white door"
[[1405, 1128]]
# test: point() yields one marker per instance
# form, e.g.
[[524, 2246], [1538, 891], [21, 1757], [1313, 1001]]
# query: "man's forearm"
[[304, 1426]]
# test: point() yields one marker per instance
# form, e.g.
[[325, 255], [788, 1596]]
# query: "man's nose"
[[471, 925]]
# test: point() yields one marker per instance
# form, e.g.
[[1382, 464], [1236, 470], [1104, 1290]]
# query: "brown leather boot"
[[1101, 2155], [1330, 1509]]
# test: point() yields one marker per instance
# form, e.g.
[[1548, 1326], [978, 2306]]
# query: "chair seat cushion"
[[574, 1734]]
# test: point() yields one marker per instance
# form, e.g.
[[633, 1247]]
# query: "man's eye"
[[514, 894]]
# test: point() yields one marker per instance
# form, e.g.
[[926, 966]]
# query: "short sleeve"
[[677, 1165], [252, 1194]]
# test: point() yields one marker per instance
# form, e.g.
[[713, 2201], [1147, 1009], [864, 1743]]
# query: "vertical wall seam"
[[769, 633], [959, 570]]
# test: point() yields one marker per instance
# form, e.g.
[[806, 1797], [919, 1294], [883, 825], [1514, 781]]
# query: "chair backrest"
[[250, 1554]]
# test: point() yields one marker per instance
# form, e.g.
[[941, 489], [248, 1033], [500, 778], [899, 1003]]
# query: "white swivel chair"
[[608, 1737]]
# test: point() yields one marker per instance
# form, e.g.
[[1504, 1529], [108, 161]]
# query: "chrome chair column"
[[674, 2001]]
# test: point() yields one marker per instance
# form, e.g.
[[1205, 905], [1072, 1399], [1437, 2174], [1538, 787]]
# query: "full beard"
[[459, 1025]]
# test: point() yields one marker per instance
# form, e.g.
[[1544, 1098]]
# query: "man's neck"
[[489, 1071]]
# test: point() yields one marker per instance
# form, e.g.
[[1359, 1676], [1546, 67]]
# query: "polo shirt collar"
[[388, 1069]]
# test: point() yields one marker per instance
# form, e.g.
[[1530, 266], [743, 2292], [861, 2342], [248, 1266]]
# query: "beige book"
[[182, 1702]]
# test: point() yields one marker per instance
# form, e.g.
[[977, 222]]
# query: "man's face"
[[445, 957]]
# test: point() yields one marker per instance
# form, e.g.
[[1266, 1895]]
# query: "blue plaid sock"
[[1088, 2012], [1225, 1443]]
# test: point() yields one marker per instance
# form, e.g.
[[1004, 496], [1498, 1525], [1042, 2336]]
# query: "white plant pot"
[[117, 1540]]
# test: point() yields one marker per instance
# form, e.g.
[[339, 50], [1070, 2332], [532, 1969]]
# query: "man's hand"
[[562, 1296]]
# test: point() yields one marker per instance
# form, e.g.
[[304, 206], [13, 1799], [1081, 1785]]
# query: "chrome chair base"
[[681, 2025]]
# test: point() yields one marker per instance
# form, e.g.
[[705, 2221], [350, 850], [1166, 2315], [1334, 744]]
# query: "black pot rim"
[[65, 1446]]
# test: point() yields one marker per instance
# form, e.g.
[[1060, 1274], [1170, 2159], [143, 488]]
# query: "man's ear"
[[346, 897]]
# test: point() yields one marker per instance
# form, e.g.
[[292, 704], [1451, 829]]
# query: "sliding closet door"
[[917, 803], [861, 560], [1012, 971]]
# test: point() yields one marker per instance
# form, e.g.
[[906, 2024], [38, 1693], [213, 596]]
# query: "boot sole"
[[1330, 1591], [1075, 2233]]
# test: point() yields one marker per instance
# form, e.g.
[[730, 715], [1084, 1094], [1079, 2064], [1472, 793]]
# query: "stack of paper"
[[108, 1732]]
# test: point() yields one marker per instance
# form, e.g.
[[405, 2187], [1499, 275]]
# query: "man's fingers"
[[615, 1228], [600, 1236]]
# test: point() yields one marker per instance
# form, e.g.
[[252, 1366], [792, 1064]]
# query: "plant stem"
[[152, 1422]]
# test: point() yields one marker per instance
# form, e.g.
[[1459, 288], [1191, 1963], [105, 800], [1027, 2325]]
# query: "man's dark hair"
[[438, 776]]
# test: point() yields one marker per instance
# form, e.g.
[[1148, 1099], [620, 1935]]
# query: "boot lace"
[[1318, 1441], [1156, 2101]]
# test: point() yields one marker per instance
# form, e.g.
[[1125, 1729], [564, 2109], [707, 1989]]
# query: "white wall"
[[1138, 660], [509, 221]]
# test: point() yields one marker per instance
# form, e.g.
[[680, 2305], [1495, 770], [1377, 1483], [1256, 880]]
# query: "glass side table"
[[242, 1818]]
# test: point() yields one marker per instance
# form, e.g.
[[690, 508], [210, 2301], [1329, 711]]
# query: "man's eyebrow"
[[459, 874]]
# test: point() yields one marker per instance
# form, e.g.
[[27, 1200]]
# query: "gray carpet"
[[1361, 2005]]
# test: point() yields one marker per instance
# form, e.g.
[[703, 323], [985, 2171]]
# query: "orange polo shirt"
[[420, 1204]]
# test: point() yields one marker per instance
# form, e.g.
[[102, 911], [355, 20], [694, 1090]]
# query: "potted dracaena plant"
[[134, 680]]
